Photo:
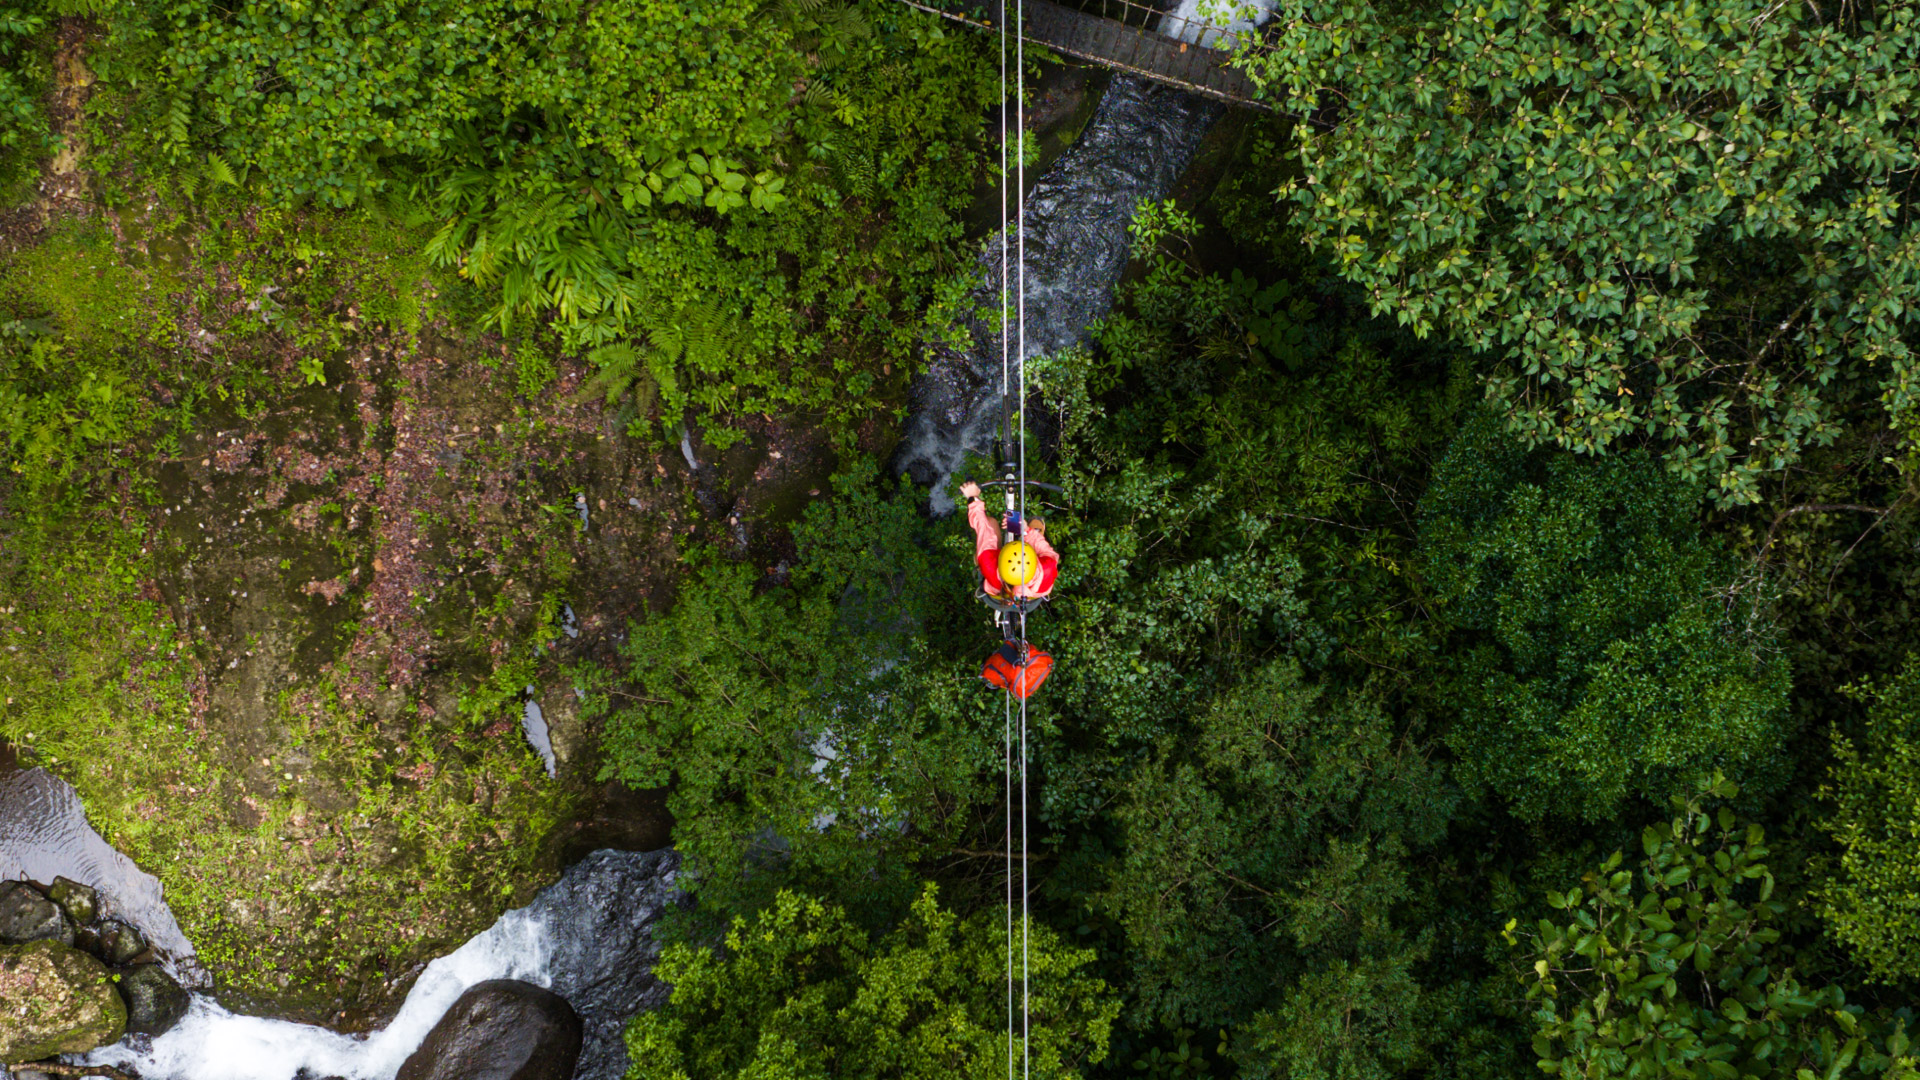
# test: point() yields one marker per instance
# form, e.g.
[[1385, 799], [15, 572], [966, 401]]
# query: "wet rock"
[[501, 1029], [58, 1000], [603, 947], [44, 834], [25, 915], [79, 901], [154, 1001], [120, 942]]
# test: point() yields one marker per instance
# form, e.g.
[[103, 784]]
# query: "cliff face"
[[286, 659]]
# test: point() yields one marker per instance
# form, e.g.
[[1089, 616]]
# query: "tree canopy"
[[1485, 634], [1691, 221], [1609, 649]]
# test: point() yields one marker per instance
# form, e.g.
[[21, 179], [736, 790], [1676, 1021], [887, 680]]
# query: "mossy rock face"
[[366, 575], [285, 667], [25, 915], [79, 901], [58, 1000], [119, 942], [155, 1002]]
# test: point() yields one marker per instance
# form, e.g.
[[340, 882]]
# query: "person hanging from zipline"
[[1017, 571], [1016, 562]]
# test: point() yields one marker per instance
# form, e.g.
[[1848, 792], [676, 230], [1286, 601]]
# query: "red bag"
[[1008, 670]]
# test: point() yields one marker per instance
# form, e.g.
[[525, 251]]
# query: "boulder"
[[155, 1002], [25, 915], [120, 942], [501, 1029], [55, 999], [79, 901]]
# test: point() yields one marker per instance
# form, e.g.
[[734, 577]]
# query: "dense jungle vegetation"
[[1488, 628]]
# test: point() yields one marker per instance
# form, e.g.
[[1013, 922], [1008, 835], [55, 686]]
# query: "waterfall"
[[211, 1043], [588, 937], [1209, 21]]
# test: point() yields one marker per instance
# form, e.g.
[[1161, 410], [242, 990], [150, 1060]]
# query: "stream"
[[587, 937], [44, 834], [1141, 138]]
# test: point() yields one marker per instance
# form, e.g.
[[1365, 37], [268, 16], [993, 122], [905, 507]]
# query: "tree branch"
[[1816, 508]]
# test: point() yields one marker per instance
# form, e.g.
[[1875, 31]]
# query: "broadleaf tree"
[[1606, 649], [1688, 221]]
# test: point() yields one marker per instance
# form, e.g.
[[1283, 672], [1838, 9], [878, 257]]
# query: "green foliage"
[[533, 370], [1673, 971], [76, 324], [349, 86], [24, 131], [1260, 863], [1873, 901], [1611, 650], [787, 719], [1171, 591], [1187, 1059], [1155, 222], [726, 685], [1273, 401], [1244, 456], [53, 410], [765, 197], [1679, 220], [801, 991]]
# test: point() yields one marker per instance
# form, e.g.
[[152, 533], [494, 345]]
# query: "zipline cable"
[[1013, 341], [1020, 299], [1005, 435], [1007, 738]]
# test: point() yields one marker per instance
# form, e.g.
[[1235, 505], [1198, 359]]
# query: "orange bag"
[[1007, 670]]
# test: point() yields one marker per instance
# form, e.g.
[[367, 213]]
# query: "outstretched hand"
[[970, 489]]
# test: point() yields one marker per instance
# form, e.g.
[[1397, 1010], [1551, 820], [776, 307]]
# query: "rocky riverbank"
[[73, 978]]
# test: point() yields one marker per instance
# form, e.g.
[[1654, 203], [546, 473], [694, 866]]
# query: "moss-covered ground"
[[272, 607]]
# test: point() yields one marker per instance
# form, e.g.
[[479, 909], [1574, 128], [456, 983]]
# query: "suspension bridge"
[[1192, 55]]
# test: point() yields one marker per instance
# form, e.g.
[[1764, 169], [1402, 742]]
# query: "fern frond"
[[219, 171], [178, 127], [850, 24], [854, 173], [617, 367]]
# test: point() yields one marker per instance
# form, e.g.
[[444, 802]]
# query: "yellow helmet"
[[1019, 563]]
